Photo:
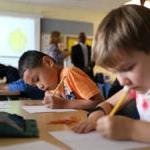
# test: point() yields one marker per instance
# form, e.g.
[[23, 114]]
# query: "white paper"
[[93, 141], [4, 105], [43, 108], [40, 145]]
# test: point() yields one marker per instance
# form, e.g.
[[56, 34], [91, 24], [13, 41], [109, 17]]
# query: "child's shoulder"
[[73, 71]]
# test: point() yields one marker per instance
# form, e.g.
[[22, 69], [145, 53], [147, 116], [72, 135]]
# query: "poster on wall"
[[72, 40]]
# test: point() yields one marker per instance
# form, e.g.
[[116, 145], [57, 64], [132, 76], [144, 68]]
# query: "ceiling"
[[88, 5]]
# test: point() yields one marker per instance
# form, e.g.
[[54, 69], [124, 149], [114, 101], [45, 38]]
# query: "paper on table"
[[33, 145], [43, 108], [93, 141], [4, 104]]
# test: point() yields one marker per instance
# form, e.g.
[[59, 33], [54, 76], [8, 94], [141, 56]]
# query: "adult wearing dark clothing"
[[81, 55], [11, 73], [25, 90]]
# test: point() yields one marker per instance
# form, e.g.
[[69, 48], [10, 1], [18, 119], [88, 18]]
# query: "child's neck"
[[59, 69]]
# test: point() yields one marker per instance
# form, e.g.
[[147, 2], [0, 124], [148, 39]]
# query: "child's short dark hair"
[[123, 31], [29, 60]]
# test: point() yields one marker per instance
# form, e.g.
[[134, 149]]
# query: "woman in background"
[[54, 50]]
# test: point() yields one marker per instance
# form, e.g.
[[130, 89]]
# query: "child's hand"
[[54, 101], [90, 124], [48, 96], [85, 127], [115, 127], [57, 102]]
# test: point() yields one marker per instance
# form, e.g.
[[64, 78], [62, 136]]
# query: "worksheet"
[[43, 108], [39, 145], [4, 105], [94, 141]]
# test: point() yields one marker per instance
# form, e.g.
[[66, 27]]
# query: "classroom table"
[[42, 120], [7, 95]]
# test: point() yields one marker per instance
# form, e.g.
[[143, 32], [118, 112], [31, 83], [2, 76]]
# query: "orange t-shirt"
[[77, 84]]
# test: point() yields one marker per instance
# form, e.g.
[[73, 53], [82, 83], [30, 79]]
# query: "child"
[[122, 45], [75, 91], [9, 72], [23, 89]]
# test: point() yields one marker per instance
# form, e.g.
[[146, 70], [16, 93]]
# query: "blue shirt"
[[25, 89]]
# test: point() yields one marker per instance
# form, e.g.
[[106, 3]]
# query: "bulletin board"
[[72, 40]]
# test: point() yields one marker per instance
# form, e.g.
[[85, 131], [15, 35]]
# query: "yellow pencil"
[[122, 98], [60, 83]]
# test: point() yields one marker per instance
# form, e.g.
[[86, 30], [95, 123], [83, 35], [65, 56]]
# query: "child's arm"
[[123, 128], [4, 86], [105, 108], [141, 131], [58, 102], [89, 124], [84, 104]]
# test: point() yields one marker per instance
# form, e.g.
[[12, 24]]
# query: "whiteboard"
[[18, 34]]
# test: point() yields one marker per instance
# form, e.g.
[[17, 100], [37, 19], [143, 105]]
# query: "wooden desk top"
[[42, 120], [7, 93]]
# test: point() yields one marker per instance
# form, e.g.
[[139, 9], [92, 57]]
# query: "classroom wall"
[[65, 26], [68, 28], [55, 13]]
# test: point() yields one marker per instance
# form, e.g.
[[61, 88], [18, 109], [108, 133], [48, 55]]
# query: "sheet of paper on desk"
[[42, 108], [93, 141], [33, 145], [4, 105]]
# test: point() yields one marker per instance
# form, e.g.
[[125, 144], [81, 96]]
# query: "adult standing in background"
[[54, 50], [81, 55]]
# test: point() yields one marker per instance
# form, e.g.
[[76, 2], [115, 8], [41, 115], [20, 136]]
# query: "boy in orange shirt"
[[76, 90]]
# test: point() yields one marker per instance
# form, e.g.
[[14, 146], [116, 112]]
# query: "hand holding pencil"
[[119, 102], [115, 127], [52, 99]]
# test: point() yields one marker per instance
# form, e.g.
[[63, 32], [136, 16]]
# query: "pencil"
[[122, 98], [60, 83]]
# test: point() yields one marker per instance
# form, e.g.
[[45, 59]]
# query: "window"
[[18, 34], [138, 2]]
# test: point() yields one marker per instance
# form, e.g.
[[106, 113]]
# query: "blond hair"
[[123, 31]]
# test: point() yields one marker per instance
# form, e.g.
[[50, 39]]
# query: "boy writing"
[[76, 90], [122, 45]]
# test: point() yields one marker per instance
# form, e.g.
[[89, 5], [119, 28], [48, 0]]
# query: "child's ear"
[[47, 61]]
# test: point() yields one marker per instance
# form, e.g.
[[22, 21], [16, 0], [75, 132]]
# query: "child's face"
[[45, 77], [134, 71]]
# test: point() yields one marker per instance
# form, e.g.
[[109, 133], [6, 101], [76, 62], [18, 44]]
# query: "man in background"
[[81, 55]]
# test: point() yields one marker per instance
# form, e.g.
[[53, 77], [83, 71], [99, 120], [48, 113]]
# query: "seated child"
[[9, 72], [76, 89], [122, 45], [23, 89]]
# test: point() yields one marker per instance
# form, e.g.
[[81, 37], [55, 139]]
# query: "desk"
[[42, 120], [6, 95]]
